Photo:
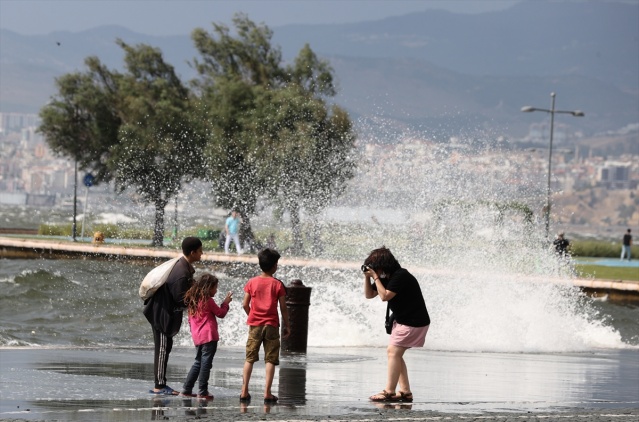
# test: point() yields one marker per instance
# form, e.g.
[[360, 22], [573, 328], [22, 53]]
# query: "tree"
[[308, 153], [160, 147], [312, 75], [248, 57], [80, 121], [314, 157], [230, 153], [272, 131], [233, 71], [136, 128]]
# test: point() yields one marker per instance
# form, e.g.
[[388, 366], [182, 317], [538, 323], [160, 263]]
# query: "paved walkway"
[[617, 288], [324, 384]]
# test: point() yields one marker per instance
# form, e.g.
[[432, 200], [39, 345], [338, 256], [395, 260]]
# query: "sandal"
[[245, 399], [382, 397], [166, 391], [270, 400], [403, 397]]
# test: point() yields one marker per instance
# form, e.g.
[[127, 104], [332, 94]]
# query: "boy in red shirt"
[[261, 296]]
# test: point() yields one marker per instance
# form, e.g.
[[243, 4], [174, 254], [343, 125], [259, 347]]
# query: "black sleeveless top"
[[408, 304]]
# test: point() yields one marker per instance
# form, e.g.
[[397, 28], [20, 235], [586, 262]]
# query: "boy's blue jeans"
[[201, 369]]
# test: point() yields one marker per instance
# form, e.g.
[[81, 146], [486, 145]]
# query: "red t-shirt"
[[265, 293]]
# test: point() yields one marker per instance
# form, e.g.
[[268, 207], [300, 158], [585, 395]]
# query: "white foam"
[[470, 311], [113, 218]]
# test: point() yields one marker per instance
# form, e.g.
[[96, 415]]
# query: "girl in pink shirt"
[[202, 312]]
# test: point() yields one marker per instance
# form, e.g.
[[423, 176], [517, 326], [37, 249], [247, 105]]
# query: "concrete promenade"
[[28, 247], [326, 384]]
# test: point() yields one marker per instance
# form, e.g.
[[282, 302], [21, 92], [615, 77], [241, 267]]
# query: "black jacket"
[[163, 310]]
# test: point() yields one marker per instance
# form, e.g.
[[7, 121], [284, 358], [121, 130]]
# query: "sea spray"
[[464, 221]]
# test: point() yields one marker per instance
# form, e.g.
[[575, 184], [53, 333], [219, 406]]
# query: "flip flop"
[[245, 399], [166, 391], [272, 399]]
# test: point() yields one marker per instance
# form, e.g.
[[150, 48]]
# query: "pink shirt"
[[265, 293], [204, 325]]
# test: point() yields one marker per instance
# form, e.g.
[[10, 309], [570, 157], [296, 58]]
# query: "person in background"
[[270, 242], [626, 245], [232, 230], [203, 311], [163, 310], [262, 294], [561, 245], [384, 277]]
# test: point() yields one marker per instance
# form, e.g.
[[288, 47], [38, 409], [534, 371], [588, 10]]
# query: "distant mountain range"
[[435, 72]]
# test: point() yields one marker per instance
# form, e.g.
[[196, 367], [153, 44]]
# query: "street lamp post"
[[552, 112], [74, 228], [175, 226]]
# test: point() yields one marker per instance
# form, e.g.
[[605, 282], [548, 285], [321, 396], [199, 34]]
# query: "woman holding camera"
[[384, 277]]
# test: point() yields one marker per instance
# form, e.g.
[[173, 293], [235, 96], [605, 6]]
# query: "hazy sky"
[[171, 17]]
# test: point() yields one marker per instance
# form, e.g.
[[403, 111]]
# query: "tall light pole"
[[175, 226], [74, 228], [552, 112]]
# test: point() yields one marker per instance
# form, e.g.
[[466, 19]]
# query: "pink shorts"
[[405, 336]]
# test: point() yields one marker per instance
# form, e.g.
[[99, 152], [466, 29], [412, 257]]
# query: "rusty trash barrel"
[[298, 300]]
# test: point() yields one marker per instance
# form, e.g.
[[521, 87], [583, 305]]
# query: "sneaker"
[[206, 396], [187, 395]]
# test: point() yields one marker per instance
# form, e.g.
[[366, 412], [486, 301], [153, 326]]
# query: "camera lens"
[[364, 268]]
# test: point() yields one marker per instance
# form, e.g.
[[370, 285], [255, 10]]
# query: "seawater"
[[92, 303]]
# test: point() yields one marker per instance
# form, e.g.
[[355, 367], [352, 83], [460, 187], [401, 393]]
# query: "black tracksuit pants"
[[163, 346]]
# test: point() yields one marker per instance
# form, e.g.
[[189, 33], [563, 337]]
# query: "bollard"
[[298, 299]]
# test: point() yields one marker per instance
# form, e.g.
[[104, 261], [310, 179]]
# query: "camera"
[[365, 268]]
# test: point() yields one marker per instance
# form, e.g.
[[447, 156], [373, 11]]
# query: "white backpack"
[[156, 278]]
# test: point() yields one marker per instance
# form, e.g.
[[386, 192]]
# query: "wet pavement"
[[324, 384]]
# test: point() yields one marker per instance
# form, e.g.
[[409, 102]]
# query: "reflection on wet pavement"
[[113, 384]]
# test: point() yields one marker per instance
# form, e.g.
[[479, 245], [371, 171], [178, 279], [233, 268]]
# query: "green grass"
[[112, 231], [608, 273], [350, 244], [598, 248]]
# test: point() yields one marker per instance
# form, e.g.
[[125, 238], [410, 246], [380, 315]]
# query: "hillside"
[[596, 39], [437, 73], [597, 212], [422, 97]]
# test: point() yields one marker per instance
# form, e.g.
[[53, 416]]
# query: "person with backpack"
[[164, 309]]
